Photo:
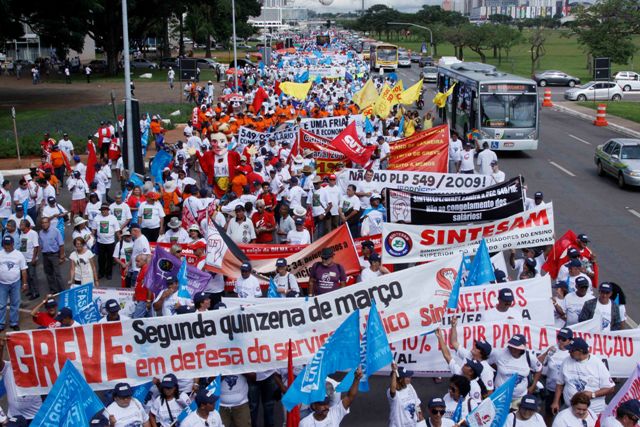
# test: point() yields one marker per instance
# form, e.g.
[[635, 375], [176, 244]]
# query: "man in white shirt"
[[365, 189], [240, 229], [485, 159], [30, 246], [121, 211], [527, 413], [325, 415], [206, 414], [403, 400], [574, 301], [497, 176], [13, 278], [247, 286], [299, 236], [140, 247], [503, 309], [466, 160], [106, 235], [582, 372], [330, 200], [455, 153], [66, 146], [167, 301]]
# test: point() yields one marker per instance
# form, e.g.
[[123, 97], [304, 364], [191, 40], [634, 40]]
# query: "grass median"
[[624, 109]]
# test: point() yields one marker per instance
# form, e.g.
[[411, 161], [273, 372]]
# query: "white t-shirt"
[[194, 420], [603, 311], [508, 365], [234, 391], [52, 212], [5, 204], [21, 194], [179, 235], [366, 187], [133, 415], [66, 146], [497, 177], [140, 246], [475, 391], [247, 288], [367, 274], [565, 418], [91, 212], [535, 421], [159, 409], [106, 229], [18, 220], [611, 422], [79, 186], [404, 407], [11, 265], [121, 211], [493, 315], [83, 271], [241, 232], [296, 193], [331, 194], [466, 161], [485, 157], [468, 405], [588, 375], [287, 282], [28, 241], [27, 406], [455, 149], [553, 368], [295, 237], [574, 305], [169, 304], [333, 419], [487, 370], [347, 203], [150, 215]]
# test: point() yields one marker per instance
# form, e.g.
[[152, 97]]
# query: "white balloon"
[[325, 2]]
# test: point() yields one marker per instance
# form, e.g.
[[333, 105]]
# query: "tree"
[[500, 19], [606, 29], [456, 36], [477, 38], [537, 39], [504, 38]]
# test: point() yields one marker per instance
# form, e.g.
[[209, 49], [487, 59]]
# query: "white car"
[[627, 80], [404, 61], [595, 91]]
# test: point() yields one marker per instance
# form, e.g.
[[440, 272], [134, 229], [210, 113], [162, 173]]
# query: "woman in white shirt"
[[459, 388], [165, 408], [83, 268], [578, 415], [375, 269], [526, 415], [92, 210], [403, 399], [80, 229], [126, 410], [286, 282]]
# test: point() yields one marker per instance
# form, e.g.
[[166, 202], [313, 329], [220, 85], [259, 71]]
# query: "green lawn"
[[563, 53], [625, 109], [77, 122]]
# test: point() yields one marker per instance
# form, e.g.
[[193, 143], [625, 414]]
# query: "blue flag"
[[393, 76], [401, 126], [280, 64], [341, 352], [3, 389], [457, 413], [347, 76], [183, 281], [273, 289], [481, 271], [80, 301], [160, 161], [493, 411], [317, 53], [214, 388], [318, 79], [368, 126], [141, 392], [455, 289], [70, 403], [302, 77]]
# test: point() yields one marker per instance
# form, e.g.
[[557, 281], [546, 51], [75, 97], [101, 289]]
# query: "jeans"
[[262, 391], [11, 292], [51, 264], [141, 310]]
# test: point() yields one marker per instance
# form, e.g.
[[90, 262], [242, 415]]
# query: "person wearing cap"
[[627, 415], [576, 270], [66, 146], [602, 307], [587, 257], [326, 275], [437, 408], [503, 310], [122, 254], [330, 201], [579, 414], [558, 299], [126, 410], [467, 165], [121, 211], [54, 211], [300, 235], [527, 414], [574, 301], [167, 301], [372, 217], [263, 222], [59, 162], [350, 210], [480, 352], [78, 188], [285, 223], [403, 400], [518, 264], [583, 372], [45, 318], [201, 301], [239, 228], [29, 246], [247, 286], [112, 307], [175, 232], [375, 269], [331, 416], [516, 359], [150, 217], [484, 159], [165, 408], [471, 369], [107, 227], [553, 358], [13, 278], [64, 318], [367, 249], [27, 191], [206, 415], [563, 271], [497, 176], [286, 283]]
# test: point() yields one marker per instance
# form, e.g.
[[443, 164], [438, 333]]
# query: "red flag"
[[261, 95], [277, 89], [293, 416], [348, 143], [91, 162], [558, 255]]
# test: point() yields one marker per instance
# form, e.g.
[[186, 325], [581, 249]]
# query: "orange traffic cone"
[[547, 98], [601, 116]]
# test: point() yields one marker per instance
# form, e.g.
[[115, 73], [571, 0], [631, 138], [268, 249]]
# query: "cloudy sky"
[[347, 5]]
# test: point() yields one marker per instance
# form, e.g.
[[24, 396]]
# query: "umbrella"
[[233, 97], [234, 71]]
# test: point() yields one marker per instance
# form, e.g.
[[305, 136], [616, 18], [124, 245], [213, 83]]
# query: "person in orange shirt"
[[170, 201], [323, 113], [59, 162], [353, 108], [233, 126], [218, 108], [240, 180]]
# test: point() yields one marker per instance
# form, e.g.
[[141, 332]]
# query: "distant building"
[[277, 13], [29, 48]]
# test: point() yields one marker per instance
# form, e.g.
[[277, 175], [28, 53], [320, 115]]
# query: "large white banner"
[[246, 135], [406, 243], [423, 182], [230, 341], [619, 350], [330, 127]]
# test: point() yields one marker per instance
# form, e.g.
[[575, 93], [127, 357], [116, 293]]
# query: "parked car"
[[98, 66], [595, 91], [207, 63], [242, 63], [425, 60], [168, 62], [415, 57], [628, 80], [626, 75], [429, 74], [143, 63], [404, 61], [620, 158], [554, 77]]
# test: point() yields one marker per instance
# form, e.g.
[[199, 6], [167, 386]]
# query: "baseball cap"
[[436, 402], [605, 287], [574, 263], [475, 366], [332, 176], [375, 196], [51, 199], [518, 341], [404, 373], [326, 253], [172, 279], [112, 306], [17, 421], [506, 295], [64, 313], [184, 309], [374, 257], [530, 262], [578, 344], [529, 401], [7, 240], [19, 207], [238, 208], [281, 262], [245, 266], [538, 195], [205, 397], [122, 390], [494, 162], [583, 238], [483, 346], [582, 282], [565, 333], [631, 407], [561, 285], [99, 420], [199, 245], [501, 276], [299, 221], [169, 381], [573, 253], [50, 303], [199, 297], [368, 244]]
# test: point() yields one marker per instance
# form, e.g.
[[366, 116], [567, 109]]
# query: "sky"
[[347, 5]]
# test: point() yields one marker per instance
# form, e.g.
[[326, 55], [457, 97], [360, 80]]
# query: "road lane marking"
[[634, 212], [579, 139], [565, 170]]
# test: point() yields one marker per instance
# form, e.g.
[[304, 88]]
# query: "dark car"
[[98, 66], [415, 57], [555, 77], [242, 63], [168, 62], [207, 63], [425, 61]]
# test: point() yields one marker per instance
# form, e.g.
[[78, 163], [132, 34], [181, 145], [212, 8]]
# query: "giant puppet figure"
[[219, 164]]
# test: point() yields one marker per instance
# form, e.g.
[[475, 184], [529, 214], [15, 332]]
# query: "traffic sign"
[[601, 69]]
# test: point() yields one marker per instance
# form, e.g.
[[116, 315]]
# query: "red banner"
[[426, 151], [348, 143], [326, 157]]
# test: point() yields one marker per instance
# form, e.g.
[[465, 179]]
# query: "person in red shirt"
[[268, 197], [264, 223], [46, 144], [47, 317], [142, 296]]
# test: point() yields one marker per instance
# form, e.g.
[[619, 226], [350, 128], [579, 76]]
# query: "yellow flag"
[[397, 93], [383, 103], [366, 96], [296, 90], [440, 99], [412, 94]]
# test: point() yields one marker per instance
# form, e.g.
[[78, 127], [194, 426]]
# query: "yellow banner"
[[296, 90]]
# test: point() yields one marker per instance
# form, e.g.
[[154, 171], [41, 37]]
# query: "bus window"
[[508, 111]]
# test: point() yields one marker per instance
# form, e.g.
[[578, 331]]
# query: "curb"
[[14, 172], [588, 117]]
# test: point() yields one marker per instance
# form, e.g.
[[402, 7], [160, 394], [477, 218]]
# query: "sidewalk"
[[621, 125]]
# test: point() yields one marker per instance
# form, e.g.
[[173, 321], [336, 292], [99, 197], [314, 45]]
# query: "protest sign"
[[402, 243], [229, 341], [248, 136], [496, 202], [326, 158], [330, 127], [423, 182], [426, 151], [123, 296], [619, 350]]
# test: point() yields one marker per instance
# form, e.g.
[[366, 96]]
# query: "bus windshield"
[[508, 111], [387, 53]]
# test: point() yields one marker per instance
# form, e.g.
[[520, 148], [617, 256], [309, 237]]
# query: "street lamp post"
[[419, 26], [127, 90], [235, 51]]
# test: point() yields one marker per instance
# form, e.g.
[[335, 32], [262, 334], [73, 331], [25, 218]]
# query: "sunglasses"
[[438, 411]]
